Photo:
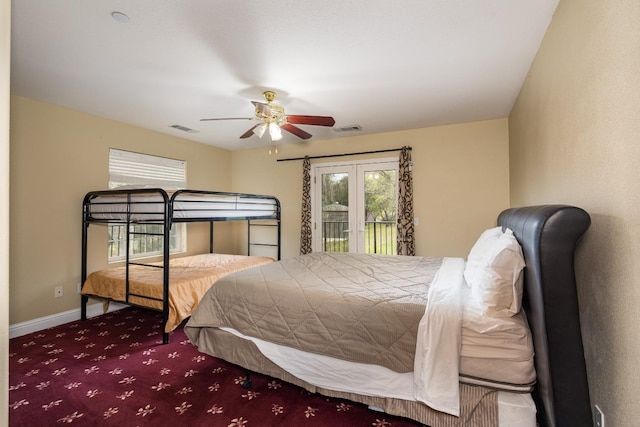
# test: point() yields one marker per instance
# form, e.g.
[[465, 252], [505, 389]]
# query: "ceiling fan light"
[[260, 130], [275, 132]]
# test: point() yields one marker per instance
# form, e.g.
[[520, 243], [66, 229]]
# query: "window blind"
[[129, 168]]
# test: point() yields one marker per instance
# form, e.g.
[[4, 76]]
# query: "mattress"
[[189, 279], [188, 205], [496, 352]]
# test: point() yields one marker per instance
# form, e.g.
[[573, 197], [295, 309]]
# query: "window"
[[127, 168], [354, 206]]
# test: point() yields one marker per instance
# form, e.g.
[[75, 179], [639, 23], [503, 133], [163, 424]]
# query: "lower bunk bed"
[[190, 277], [409, 336]]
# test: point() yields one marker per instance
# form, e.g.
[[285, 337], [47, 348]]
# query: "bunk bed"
[[164, 285]]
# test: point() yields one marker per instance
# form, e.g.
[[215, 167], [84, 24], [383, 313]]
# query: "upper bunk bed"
[[172, 285]]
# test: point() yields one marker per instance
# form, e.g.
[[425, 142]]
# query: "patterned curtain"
[[305, 232], [406, 241]]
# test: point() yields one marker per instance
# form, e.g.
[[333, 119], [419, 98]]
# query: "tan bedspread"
[[356, 307], [189, 279]]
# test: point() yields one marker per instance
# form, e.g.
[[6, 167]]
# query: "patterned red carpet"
[[114, 370]]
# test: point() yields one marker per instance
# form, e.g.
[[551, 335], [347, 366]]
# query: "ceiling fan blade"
[[248, 133], [296, 131], [264, 109], [228, 118], [311, 120]]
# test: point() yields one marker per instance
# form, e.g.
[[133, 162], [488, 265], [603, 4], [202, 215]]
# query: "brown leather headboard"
[[549, 235]]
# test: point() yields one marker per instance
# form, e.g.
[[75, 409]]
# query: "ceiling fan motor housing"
[[271, 113]]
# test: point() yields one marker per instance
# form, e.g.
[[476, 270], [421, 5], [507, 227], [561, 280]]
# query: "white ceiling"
[[383, 65]]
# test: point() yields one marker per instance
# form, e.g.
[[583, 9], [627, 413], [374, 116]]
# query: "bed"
[[173, 285], [408, 372]]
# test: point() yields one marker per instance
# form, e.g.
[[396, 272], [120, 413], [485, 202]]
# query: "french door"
[[354, 206]]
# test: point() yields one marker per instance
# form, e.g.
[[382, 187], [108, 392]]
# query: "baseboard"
[[35, 325]]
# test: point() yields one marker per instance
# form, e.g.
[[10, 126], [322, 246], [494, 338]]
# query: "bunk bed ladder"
[[262, 223]]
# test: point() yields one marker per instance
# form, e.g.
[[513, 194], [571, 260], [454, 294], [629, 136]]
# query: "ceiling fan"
[[271, 116]]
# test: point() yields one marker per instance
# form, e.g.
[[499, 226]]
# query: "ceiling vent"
[[184, 129], [348, 128]]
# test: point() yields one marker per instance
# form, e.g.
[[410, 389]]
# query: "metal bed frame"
[[166, 210]]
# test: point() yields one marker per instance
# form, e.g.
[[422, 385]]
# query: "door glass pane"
[[335, 212], [380, 212]]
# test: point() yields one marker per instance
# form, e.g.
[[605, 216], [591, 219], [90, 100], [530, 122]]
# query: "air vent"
[[184, 129], [348, 128]]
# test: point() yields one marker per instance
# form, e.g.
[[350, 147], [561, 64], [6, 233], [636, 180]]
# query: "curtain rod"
[[342, 155]]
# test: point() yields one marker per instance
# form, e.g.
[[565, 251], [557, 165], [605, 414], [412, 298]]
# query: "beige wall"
[[460, 178], [57, 156], [5, 47], [575, 138]]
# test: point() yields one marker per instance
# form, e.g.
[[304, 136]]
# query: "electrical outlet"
[[57, 292], [599, 415]]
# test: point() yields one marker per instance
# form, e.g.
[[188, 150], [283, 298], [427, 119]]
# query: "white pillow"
[[483, 244], [493, 271]]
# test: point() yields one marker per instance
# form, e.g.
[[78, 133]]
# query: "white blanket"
[[437, 360]]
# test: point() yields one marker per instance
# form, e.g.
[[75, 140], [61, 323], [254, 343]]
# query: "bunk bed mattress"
[[189, 279], [363, 309], [151, 207]]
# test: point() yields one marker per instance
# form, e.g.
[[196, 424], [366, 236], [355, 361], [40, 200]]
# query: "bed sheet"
[[514, 409]]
